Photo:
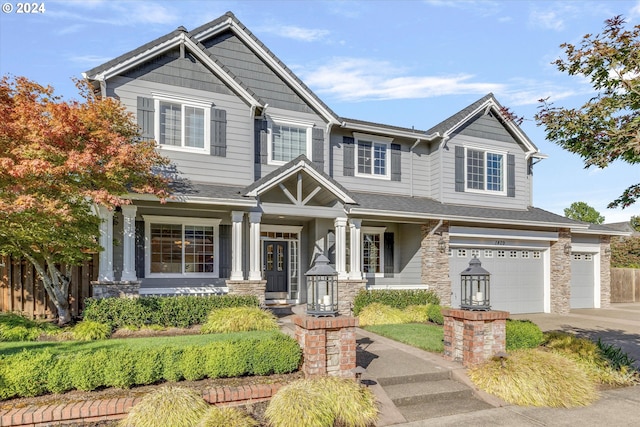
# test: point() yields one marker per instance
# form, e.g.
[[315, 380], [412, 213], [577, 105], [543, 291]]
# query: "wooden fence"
[[21, 290], [625, 285]]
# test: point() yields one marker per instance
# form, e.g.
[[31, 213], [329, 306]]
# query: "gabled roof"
[[193, 38], [488, 102], [300, 163]]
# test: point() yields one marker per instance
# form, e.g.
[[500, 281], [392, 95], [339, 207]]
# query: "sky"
[[403, 63]]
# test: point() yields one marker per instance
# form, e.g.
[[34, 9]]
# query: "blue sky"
[[404, 63]]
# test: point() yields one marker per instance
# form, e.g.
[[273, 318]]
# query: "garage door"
[[582, 280], [517, 277]]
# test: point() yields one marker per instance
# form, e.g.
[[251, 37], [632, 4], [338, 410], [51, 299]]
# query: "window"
[[373, 250], [488, 253], [536, 255], [475, 253], [181, 246], [181, 123], [288, 139], [462, 253], [525, 254], [485, 171], [513, 254], [372, 156], [501, 254]]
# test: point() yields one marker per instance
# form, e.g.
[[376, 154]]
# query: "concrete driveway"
[[618, 325]]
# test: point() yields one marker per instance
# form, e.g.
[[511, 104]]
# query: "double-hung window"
[[288, 139], [485, 171], [373, 250], [182, 123], [179, 247], [372, 156]]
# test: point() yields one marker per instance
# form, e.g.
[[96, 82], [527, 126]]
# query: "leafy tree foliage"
[[580, 211], [635, 222], [625, 252], [58, 159], [607, 126]]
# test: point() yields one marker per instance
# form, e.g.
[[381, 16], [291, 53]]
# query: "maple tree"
[[58, 160], [607, 127]]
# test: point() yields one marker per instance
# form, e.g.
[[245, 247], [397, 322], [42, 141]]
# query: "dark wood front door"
[[276, 266]]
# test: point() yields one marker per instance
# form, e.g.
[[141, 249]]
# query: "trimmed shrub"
[[88, 330], [167, 406], [435, 314], [226, 417], [417, 313], [394, 298], [177, 311], [14, 327], [321, 402], [522, 334], [239, 319], [25, 374], [87, 369], [381, 314], [191, 363], [58, 378], [532, 377]]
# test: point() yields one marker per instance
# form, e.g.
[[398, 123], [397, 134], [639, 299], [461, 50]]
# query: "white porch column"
[[236, 245], [129, 243], [356, 252], [341, 247], [105, 272], [255, 271]]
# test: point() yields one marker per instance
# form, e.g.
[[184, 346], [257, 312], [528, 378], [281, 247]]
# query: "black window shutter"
[[218, 132], [396, 162], [317, 144], [459, 168], [225, 250], [511, 175], [348, 156], [146, 112], [139, 255], [388, 254], [260, 128]]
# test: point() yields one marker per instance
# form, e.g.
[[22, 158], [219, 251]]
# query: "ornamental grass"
[[167, 406], [381, 314], [227, 417], [532, 377], [239, 319]]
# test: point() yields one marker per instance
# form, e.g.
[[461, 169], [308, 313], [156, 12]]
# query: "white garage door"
[[517, 277], [582, 280]]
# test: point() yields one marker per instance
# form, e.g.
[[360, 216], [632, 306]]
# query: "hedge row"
[[395, 298], [175, 311], [32, 373]]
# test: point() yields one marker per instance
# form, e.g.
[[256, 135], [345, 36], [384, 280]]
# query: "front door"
[[276, 268]]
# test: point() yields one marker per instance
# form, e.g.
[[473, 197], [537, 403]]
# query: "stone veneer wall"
[[561, 274], [248, 287], [435, 263], [101, 290], [605, 271], [347, 290]]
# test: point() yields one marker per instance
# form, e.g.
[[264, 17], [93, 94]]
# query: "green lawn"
[[7, 348], [421, 335]]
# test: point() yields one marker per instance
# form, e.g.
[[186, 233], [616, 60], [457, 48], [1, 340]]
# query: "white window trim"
[[485, 150], [184, 102], [308, 125], [374, 139], [373, 230], [208, 222]]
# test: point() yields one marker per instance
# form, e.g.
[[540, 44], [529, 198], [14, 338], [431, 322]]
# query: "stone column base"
[[248, 287], [347, 290], [328, 345], [120, 289], [471, 337]]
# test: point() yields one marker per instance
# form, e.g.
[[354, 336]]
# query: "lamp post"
[[474, 284], [323, 279]]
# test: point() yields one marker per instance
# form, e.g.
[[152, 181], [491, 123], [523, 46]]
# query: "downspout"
[[435, 229], [411, 165], [443, 144], [329, 148]]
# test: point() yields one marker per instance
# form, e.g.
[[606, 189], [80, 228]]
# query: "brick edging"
[[117, 408]]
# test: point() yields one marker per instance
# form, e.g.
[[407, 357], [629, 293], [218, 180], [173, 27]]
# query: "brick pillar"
[[605, 271], [561, 273], [471, 337], [328, 345], [435, 259]]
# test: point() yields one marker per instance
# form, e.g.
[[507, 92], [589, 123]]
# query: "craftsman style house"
[[266, 176]]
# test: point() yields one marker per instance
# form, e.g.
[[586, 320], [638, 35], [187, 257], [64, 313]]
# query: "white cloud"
[[359, 79], [634, 13], [89, 60], [71, 29], [116, 13], [299, 33], [548, 20]]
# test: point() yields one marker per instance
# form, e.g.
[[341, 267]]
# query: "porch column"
[[341, 247], [105, 272], [355, 255], [129, 244], [236, 245], [255, 272]]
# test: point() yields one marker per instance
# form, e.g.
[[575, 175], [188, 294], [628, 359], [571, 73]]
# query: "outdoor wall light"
[[442, 245], [323, 281], [567, 249]]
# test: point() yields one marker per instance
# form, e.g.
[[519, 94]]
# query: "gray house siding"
[[233, 169], [243, 63]]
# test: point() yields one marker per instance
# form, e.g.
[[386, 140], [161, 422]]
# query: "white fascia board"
[[226, 24], [495, 233], [386, 131], [256, 47], [601, 232], [196, 200], [300, 211]]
